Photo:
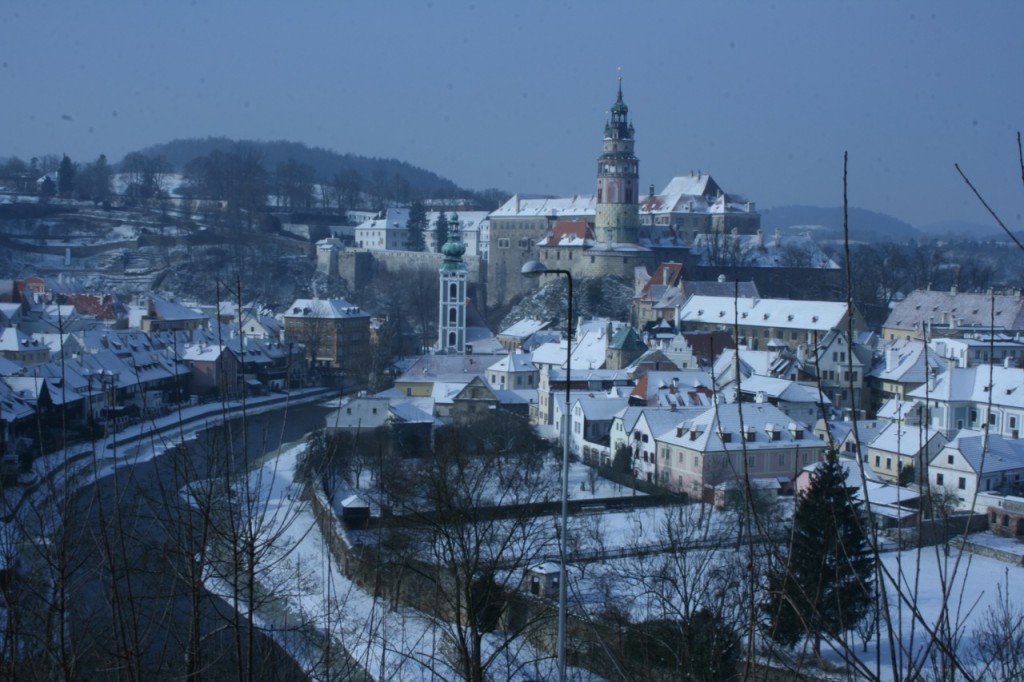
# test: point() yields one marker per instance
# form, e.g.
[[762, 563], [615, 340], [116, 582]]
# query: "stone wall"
[[360, 267]]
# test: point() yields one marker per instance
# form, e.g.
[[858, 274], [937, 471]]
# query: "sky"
[[765, 96]]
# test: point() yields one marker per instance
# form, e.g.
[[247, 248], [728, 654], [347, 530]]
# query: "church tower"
[[451, 328], [617, 216]]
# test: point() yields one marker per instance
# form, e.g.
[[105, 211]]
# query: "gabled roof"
[[1002, 454], [710, 427], [784, 390], [924, 306], [777, 313], [329, 309], [626, 338], [514, 362], [905, 361], [971, 384], [163, 309], [904, 439]]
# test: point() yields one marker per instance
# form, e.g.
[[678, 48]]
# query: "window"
[[888, 462], [878, 460], [961, 483], [939, 479], [949, 459], [751, 460], [782, 458]]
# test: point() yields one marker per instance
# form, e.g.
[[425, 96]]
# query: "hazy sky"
[[766, 96]]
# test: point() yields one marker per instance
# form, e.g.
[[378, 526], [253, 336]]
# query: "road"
[[131, 541]]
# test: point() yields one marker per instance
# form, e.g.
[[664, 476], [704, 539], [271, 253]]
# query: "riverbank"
[[157, 433]]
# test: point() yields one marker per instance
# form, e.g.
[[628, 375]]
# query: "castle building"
[[451, 327], [611, 232]]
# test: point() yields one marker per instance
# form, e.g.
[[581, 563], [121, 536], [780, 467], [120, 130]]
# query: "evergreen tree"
[[825, 587], [415, 226], [66, 177], [441, 225]]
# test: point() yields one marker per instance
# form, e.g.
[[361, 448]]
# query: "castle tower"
[[617, 216], [451, 328]]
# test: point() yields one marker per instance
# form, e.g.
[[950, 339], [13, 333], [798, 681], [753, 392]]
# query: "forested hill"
[[827, 223], [324, 162]]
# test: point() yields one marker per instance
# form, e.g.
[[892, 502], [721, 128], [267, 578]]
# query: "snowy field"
[[404, 644]]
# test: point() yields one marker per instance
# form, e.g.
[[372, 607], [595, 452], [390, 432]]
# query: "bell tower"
[[451, 328], [617, 217]]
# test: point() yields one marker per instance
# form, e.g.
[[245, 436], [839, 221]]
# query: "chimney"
[[664, 275], [931, 380], [890, 359]]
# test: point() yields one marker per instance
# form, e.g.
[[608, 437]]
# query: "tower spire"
[[618, 179]]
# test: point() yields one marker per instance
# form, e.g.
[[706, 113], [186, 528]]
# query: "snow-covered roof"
[[530, 205], [784, 389], [905, 361], [1001, 454], [904, 439], [514, 362], [923, 307], [971, 384], [777, 313], [329, 309]]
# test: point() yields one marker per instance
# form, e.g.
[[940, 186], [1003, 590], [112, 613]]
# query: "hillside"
[[325, 162], [826, 224]]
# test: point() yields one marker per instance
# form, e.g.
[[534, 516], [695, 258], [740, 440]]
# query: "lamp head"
[[533, 268]]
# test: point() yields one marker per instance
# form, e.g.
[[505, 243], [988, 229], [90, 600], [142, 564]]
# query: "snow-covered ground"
[[405, 644]]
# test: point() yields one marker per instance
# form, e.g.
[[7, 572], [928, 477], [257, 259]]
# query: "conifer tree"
[[825, 586], [415, 226], [442, 229], [66, 177]]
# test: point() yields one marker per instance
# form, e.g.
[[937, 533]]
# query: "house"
[[735, 441], [673, 389], [516, 338], [516, 371], [419, 379], [850, 438], [757, 321], [590, 430], [926, 313], [336, 337], [898, 447], [215, 369], [979, 349], [624, 347], [17, 346], [384, 232], [972, 463], [974, 398], [903, 366], [802, 402], [160, 314]]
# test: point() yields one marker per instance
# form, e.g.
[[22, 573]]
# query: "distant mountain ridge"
[[325, 162], [826, 223]]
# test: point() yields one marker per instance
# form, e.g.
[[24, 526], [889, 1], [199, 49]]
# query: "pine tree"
[[441, 225], [66, 177], [825, 587], [415, 226]]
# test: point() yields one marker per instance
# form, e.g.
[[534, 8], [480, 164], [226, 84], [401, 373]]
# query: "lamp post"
[[534, 269]]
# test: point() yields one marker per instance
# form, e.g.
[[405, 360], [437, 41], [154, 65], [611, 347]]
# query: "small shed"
[[542, 580], [355, 512]]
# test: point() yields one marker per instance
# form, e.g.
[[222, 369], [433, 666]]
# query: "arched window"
[[453, 291], [452, 315], [451, 338]]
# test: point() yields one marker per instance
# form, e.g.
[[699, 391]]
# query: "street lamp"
[[534, 269]]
